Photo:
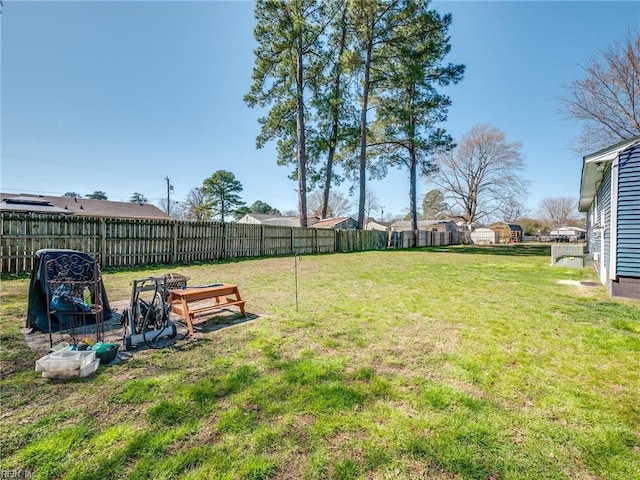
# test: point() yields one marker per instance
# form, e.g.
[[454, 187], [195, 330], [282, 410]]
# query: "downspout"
[[613, 227]]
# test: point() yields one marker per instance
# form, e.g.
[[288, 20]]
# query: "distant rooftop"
[[331, 222], [82, 207]]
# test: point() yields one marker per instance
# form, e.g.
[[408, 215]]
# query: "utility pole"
[[169, 190]]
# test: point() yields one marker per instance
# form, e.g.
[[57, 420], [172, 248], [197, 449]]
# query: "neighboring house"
[[275, 220], [282, 221], [568, 234], [429, 225], [508, 232], [484, 235], [610, 194], [28, 204], [375, 225], [78, 207], [342, 223], [256, 218]]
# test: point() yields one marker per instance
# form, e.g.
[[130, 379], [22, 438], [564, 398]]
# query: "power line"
[[85, 185], [79, 164], [30, 191], [66, 164]]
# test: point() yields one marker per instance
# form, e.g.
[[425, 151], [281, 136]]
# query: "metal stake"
[[295, 263]]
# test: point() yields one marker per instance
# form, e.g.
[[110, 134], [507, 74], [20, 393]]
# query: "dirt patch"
[[584, 288], [294, 468], [409, 347], [578, 283]]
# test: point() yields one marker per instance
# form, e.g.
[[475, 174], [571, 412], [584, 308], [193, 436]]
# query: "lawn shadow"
[[512, 249], [218, 322], [183, 341]]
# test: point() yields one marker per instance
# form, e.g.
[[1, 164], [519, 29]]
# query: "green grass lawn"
[[442, 363]]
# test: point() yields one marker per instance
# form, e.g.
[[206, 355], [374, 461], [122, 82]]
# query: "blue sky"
[[115, 96]]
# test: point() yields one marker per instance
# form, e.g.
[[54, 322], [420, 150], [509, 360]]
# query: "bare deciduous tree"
[[559, 211], [511, 209], [371, 203], [338, 205], [607, 99], [480, 174], [195, 206]]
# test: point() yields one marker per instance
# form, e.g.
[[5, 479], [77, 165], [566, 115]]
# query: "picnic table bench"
[[222, 295]]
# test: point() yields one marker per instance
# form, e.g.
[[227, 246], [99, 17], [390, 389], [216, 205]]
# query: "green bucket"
[[106, 352]]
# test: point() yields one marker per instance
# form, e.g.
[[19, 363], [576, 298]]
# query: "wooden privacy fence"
[[424, 238], [126, 242]]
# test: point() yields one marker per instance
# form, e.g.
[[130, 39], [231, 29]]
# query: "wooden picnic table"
[[223, 295]]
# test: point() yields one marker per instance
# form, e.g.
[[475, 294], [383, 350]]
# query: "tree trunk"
[[363, 135], [327, 179], [302, 154], [335, 127], [413, 175]]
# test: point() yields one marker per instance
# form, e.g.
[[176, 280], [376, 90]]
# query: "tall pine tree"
[[221, 191], [289, 35], [408, 106], [332, 98], [372, 27]]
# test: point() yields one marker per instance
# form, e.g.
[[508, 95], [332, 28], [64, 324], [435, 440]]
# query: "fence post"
[[293, 252], [103, 241], [224, 240], [174, 224]]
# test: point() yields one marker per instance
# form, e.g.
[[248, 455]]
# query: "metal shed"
[[484, 235]]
